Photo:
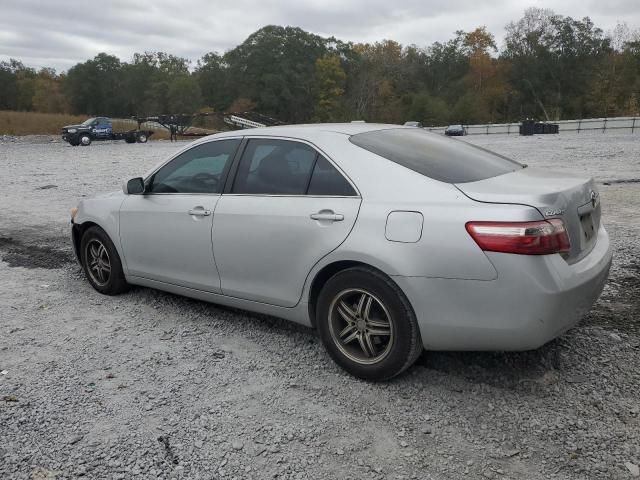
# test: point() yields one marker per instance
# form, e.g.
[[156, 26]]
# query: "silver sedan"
[[386, 239]]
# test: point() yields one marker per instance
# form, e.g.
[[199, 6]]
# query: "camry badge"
[[553, 213]]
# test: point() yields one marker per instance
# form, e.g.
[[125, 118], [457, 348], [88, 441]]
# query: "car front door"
[[102, 128], [287, 207], [166, 232]]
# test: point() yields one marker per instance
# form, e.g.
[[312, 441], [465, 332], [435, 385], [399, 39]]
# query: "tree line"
[[551, 67]]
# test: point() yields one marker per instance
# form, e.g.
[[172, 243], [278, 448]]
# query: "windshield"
[[88, 122], [435, 156]]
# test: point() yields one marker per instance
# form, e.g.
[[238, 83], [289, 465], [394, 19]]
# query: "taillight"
[[525, 238]]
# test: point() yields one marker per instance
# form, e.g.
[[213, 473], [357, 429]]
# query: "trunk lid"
[[555, 195]]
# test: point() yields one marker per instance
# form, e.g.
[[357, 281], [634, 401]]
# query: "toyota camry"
[[388, 240]]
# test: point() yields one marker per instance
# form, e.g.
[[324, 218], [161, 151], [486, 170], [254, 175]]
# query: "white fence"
[[583, 125]]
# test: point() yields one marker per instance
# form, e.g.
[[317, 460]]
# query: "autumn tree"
[[48, 93], [551, 67], [374, 74]]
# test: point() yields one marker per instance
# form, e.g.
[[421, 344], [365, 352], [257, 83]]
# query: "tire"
[[74, 143], [374, 304], [84, 139], [142, 138], [96, 244], [129, 139]]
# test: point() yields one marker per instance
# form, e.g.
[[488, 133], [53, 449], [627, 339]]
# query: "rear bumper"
[[534, 300]]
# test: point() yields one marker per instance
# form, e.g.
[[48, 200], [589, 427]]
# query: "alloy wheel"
[[98, 262], [361, 326]]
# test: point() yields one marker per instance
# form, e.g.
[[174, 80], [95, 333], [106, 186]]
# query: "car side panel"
[[161, 241], [298, 314], [104, 211], [264, 246]]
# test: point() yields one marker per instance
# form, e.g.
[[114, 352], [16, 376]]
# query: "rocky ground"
[[152, 385]]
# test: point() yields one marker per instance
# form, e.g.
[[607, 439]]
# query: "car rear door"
[[286, 208], [166, 232]]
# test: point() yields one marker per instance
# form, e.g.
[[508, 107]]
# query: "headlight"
[[74, 212], [72, 130]]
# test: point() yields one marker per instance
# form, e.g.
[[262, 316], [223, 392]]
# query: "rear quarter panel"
[[444, 250]]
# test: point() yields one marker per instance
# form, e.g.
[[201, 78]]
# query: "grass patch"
[[32, 123]]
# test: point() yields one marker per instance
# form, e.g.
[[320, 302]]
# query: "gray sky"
[[61, 33]]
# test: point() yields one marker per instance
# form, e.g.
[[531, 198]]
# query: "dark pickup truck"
[[100, 128]]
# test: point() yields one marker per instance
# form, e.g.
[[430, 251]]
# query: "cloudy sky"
[[61, 33]]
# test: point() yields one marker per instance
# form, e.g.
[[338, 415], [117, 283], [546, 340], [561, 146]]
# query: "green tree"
[[183, 94], [328, 89], [213, 78], [16, 85], [8, 85], [431, 111], [275, 67], [552, 59], [95, 86]]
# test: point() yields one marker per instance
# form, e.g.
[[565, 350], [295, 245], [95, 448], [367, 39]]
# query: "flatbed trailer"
[[179, 124], [101, 128]]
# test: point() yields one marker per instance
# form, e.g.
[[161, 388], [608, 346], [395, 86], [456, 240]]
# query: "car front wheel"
[[101, 262], [367, 324]]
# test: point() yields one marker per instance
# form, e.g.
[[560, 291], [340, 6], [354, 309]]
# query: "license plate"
[[588, 228]]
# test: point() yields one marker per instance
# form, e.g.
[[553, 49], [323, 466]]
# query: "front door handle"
[[327, 215], [200, 212]]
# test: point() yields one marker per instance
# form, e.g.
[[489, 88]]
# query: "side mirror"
[[135, 186]]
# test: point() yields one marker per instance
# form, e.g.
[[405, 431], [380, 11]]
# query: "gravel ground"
[[152, 385]]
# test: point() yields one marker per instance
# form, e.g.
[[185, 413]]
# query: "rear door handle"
[[327, 215], [200, 212]]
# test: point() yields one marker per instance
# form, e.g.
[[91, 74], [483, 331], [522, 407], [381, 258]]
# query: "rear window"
[[435, 156]]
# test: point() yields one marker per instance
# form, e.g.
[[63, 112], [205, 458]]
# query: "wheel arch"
[[328, 271], [78, 231]]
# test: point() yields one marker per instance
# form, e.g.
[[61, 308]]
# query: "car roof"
[[305, 130]]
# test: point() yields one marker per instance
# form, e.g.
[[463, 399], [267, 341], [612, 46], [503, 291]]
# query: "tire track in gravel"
[[49, 253]]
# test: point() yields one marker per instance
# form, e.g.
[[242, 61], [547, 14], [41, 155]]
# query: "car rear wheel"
[[85, 140], [142, 138], [101, 262], [367, 324]]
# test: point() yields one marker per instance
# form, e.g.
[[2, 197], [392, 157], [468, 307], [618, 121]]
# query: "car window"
[[198, 170], [276, 167], [435, 156], [327, 180]]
